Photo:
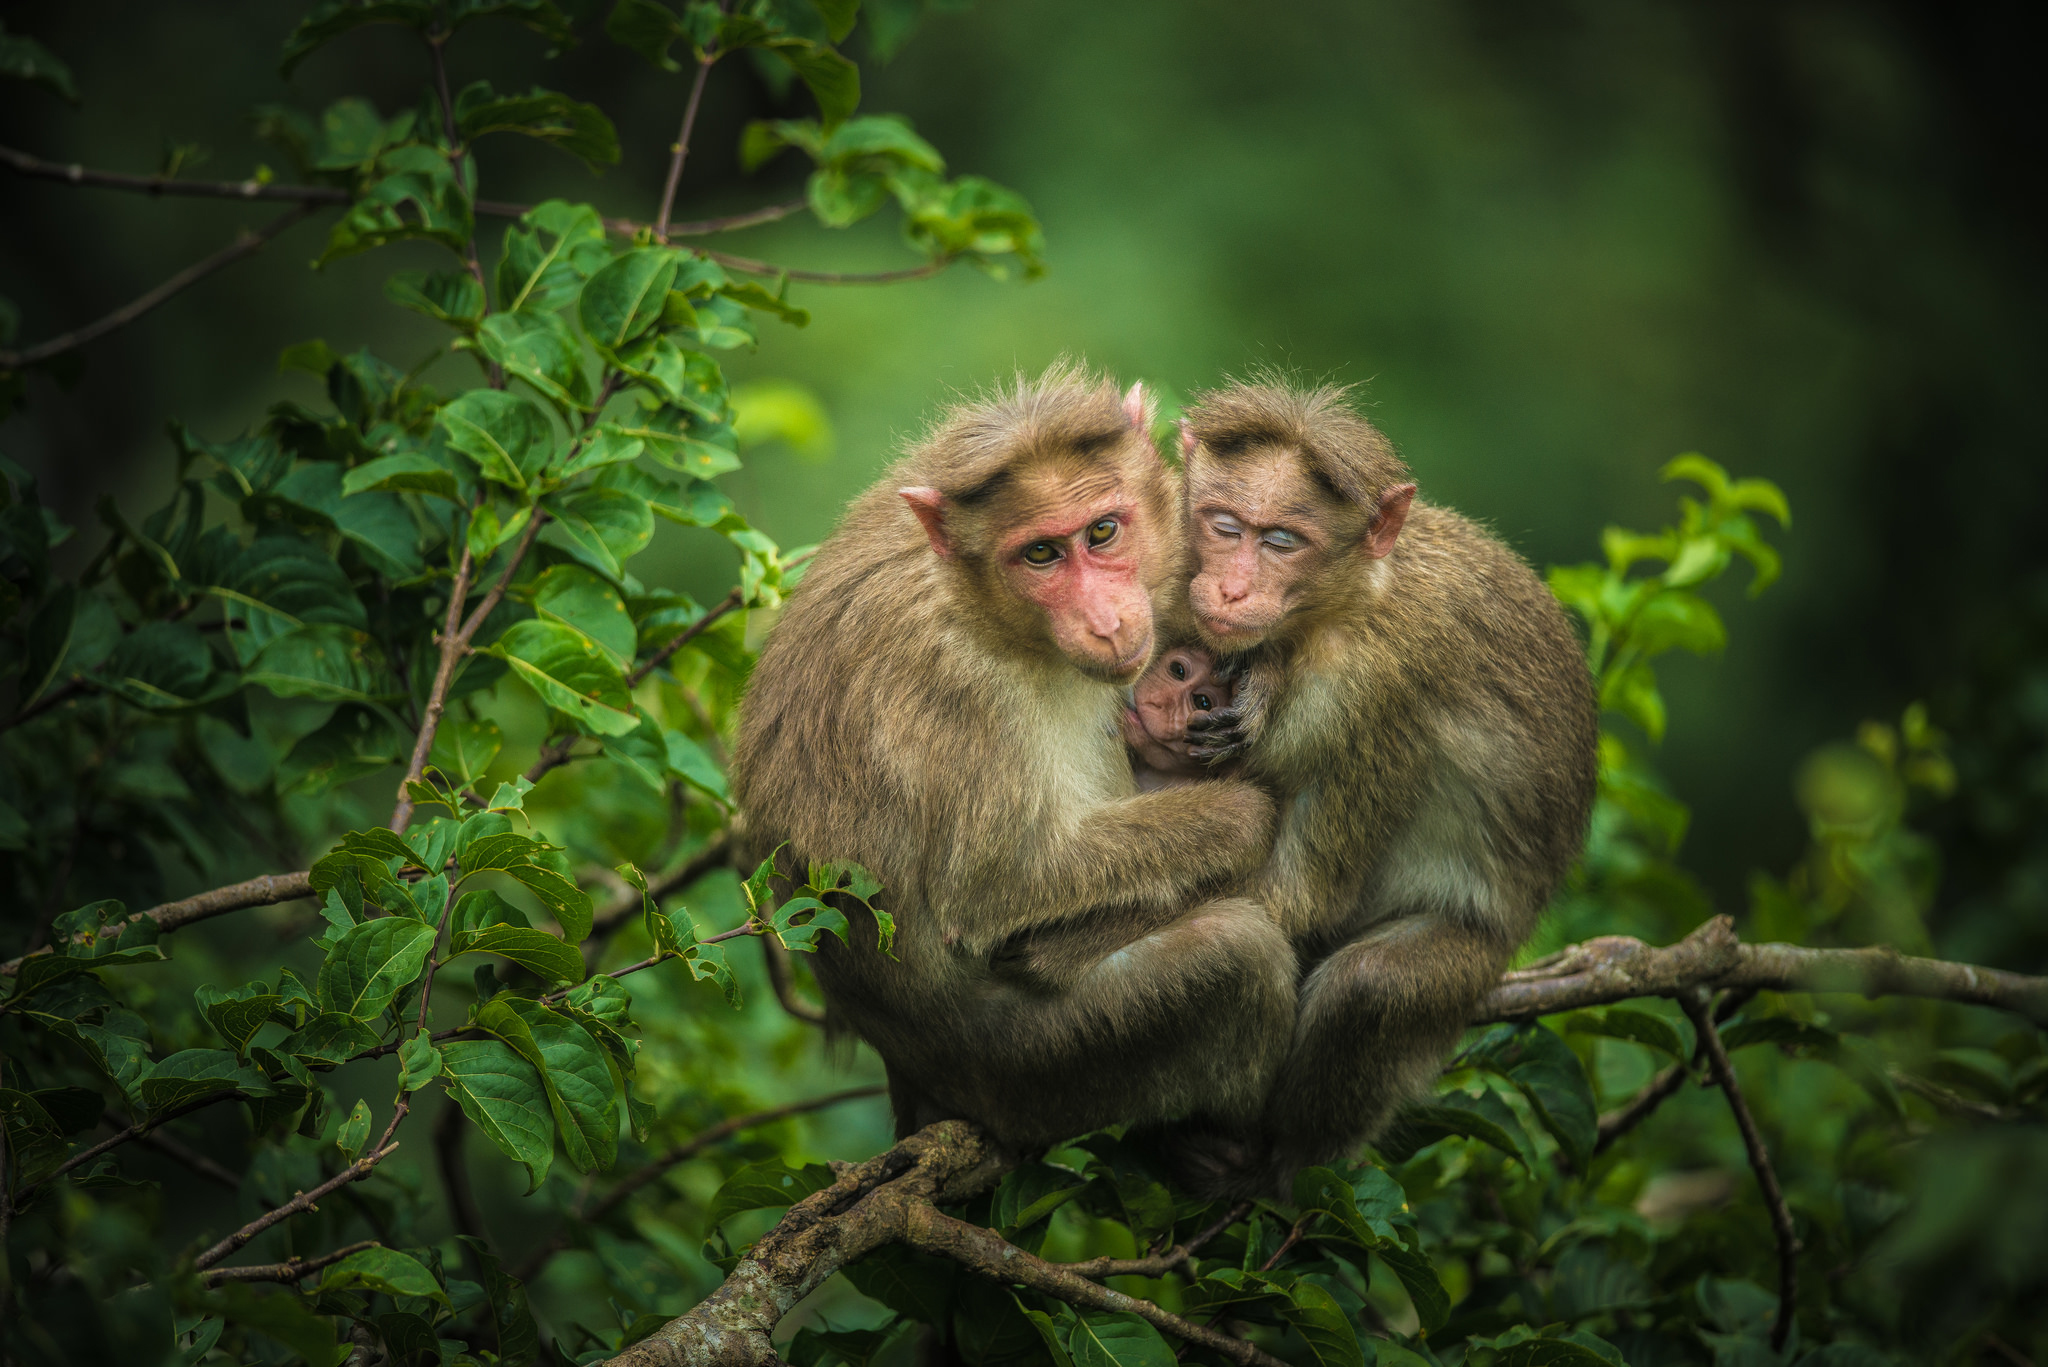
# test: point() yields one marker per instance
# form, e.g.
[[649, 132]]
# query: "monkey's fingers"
[[1216, 737]]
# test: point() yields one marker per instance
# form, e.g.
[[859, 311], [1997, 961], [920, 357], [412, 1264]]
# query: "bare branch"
[[290, 1270], [302, 1201], [681, 150], [716, 853], [1695, 1004], [1159, 1264], [682, 1152], [247, 243], [74, 174], [1617, 1123], [703, 227], [1614, 968], [63, 693], [135, 1131], [986, 1253], [449, 1128], [257, 892], [749, 266], [729, 603], [191, 1158], [782, 979]]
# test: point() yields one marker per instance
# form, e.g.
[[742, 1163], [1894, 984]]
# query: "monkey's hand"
[[1218, 738]]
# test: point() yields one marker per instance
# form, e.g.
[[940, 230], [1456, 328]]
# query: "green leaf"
[[1322, 1324], [666, 435], [577, 598], [1103, 1340], [546, 261], [25, 59], [355, 1132], [406, 472], [572, 1067], [626, 298], [464, 749], [322, 662], [419, 1062], [1485, 1118], [238, 1014], [453, 297], [1546, 1071], [601, 527], [537, 950], [1412, 1266], [768, 1184], [417, 196], [582, 130], [1626, 1022], [571, 675], [503, 1096], [329, 19], [690, 762], [386, 1270], [329, 1037], [191, 1074], [540, 349], [518, 1342], [368, 966], [648, 28], [507, 435]]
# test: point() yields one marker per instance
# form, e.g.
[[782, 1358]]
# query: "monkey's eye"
[[1283, 540], [1041, 553], [1225, 526], [1177, 669], [1203, 702], [1102, 533]]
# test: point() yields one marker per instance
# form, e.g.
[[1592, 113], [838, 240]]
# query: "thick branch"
[[1695, 1004], [247, 243], [1614, 968], [870, 1205], [688, 1149], [257, 892], [988, 1254], [290, 1270]]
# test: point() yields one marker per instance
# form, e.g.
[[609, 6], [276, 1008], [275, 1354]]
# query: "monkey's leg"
[[1377, 1019], [1188, 1018]]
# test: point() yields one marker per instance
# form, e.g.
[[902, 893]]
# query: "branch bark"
[[1614, 968], [290, 1270], [302, 1201], [246, 243], [257, 892], [783, 980]]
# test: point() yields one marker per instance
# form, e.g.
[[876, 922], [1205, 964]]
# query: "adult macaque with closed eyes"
[[940, 702], [1418, 705], [1181, 684]]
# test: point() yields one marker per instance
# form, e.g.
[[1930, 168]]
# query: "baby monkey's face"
[[1179, 684]]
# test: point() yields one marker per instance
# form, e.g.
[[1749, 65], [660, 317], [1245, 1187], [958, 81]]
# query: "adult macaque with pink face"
[[1417, 704], [941, 702]]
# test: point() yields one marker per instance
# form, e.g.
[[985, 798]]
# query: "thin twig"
[[749, 266], [246, 243], [681, 150], [688, 1149], [1159, 1264], [783, 982], [191, 1158], [302, 1201], [74, 174], [457, 153], [716, 853], [1695, 1004], [1617, 1123], [57, 696], [290, 1270], [256, 892], [135, 1131], [1287, 1244], [729, 603], [704, 227]]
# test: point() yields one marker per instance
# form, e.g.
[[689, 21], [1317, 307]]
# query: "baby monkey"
[[1180, 684]]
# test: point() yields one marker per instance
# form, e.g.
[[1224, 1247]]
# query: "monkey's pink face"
[[1258, 535], [1077, 558], [1179, 684]]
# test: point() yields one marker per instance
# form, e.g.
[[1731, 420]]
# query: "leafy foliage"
[[404, 593]]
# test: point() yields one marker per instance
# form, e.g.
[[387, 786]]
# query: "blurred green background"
[[1553, 244]]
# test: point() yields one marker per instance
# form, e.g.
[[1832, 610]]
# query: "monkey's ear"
[[930, 506], [1138, 407], [1388, 521], [1187, 441]]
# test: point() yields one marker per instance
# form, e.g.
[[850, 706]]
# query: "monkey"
[[1179, 684], [1420, 708], [940, 703]]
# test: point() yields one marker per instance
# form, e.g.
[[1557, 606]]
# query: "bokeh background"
[[1552, 244]]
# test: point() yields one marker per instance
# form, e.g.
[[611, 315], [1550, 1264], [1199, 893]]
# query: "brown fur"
[[1057, 965], [1426, 722]]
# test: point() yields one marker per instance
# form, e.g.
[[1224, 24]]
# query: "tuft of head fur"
[[1348, 455]]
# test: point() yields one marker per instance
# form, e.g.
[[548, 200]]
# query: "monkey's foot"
[[1222, 1165]]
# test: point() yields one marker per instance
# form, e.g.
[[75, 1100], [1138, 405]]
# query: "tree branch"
[[74, 174], [1614, 968], [448, 1136], [191, 1158], [681, 150], [246, 243], [301, 1201], [749, 266], [1159, 1264], [1695, 1004], [688, 1149], [257, 892], [608, 922], [1619, 1122], [290, 1270], [729, 603], [986, 1253], [134, 1131]]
